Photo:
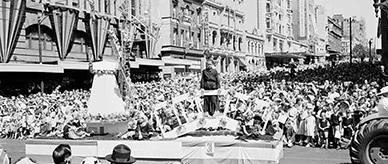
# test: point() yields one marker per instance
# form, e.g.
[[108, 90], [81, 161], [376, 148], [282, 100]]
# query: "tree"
[[360, 51]]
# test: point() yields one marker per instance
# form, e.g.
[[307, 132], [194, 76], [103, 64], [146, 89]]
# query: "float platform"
[[193, 150]]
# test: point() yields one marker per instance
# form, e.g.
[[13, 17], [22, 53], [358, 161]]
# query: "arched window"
[[214, 37], [252, 47], [249, 47], [80, 42], [46, 36], [239, 43], [234, 42]]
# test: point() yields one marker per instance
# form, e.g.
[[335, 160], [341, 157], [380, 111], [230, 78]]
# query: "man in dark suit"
[[210, 81]]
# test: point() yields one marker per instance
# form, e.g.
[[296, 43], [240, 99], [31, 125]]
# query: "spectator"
[[62, 154], [121, 155]]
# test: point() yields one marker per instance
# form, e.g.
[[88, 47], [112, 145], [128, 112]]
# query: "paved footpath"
[[295, 155]]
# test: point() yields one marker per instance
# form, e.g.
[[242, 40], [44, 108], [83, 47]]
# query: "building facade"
[[181, 35], [334, 46], [278, 25], [254, 28], [224, 28]]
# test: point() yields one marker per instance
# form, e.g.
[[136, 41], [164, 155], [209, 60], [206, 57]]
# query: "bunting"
[[98, 27], [64, 22], [12, 16]]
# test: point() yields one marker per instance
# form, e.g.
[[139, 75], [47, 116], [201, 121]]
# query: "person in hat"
[[121, 154], [383, 103], [210, 81]]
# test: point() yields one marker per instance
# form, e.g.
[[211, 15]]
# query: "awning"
[[134, 64], [284, 55], [176, 61], [150, 62], [74, 65], [38, 68], [331, 52], [12, 16], [195, 67]]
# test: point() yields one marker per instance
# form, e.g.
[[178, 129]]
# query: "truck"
[[369, 144]]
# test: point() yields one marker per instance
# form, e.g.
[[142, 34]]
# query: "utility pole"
[[384, 38], [40, 20], [350, 37], [370, 50]]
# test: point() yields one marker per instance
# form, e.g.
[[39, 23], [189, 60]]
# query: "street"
[[295, 155]]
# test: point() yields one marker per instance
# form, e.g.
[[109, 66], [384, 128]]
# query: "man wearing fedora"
[[121, 155]]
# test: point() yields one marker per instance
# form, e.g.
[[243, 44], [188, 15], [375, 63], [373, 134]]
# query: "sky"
[[359, 8]]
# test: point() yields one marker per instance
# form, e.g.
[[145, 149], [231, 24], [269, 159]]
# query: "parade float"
[[205, 139]]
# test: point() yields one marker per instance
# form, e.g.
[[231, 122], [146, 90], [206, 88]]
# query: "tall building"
[[303, 22], [358, 31], [181, 35], [224, 33], [281, 47], [278, 25], [334, 46], [321, 31], [254, 28]]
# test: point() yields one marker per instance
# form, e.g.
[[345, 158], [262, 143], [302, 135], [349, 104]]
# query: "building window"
[[107, 6], [268, 7], [199, 39], [175, 37], [268, 22], [288, 4], [192, 38], [214, 37], [240, 41], [275, 43], [249, 48], [281, 46], [182, 37], [74, 4], [133, 7]]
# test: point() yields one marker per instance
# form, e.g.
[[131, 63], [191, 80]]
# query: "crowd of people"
[[310, 106], [42, 114]]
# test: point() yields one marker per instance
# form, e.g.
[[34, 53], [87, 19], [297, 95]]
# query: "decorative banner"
[[98, 28], [12, 16], [64, 22]]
